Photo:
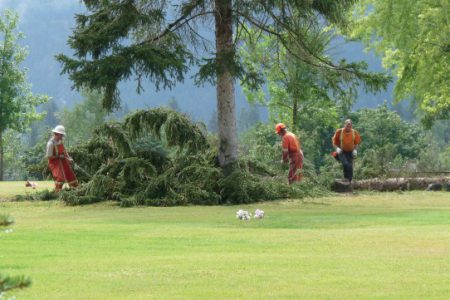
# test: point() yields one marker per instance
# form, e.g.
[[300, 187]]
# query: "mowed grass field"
[[366, 246], [9, 189]]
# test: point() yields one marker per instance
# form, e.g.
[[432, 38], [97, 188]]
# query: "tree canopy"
[[17, 103], [413, 38], [159, 40]]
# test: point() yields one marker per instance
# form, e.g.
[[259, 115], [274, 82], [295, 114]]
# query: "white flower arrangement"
[[259, 214], [243, 215]]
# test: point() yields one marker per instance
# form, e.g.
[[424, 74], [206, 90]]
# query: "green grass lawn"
[[385, 245], [9, 189]]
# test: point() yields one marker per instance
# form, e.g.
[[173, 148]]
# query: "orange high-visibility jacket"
[[290, 144], [347, 141]]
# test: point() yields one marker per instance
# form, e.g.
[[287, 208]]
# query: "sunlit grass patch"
[[384, 245], [10, 189]]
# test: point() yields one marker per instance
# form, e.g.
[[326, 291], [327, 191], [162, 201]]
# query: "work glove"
[[354, 153], [338, 150]]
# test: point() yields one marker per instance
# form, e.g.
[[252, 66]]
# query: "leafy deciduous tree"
[[13, 166], [413, 38], [310, 100], [386, 138], [17, 103]]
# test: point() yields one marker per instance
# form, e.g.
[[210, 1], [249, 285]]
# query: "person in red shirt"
[[346, 141], [59, 160], [292, 152]]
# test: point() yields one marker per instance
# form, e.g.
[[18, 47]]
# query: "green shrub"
[[8, 283], [6, 220], [70, 197], [44, 195]]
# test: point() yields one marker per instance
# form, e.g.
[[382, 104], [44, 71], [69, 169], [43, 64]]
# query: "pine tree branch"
[[174, 26]]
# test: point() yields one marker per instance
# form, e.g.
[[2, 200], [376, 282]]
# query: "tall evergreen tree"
[[118, 39], [17, 103], [292, 86]]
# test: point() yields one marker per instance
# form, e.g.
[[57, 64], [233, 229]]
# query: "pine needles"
[[178, 129], [159, 157]]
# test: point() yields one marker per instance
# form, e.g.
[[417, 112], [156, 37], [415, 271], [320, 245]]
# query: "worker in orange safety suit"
[[292, 152], [346, 141]]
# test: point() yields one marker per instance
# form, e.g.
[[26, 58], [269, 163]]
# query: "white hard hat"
[[59, 129]]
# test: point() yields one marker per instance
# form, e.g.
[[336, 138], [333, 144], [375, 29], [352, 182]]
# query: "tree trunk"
[[226, 111], [1, 156], [294, 112], [394, 184]]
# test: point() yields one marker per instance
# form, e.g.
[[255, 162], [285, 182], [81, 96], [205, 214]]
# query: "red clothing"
[[295, 167], [60, 167], [348, 141], [292, 150], [290, 144]]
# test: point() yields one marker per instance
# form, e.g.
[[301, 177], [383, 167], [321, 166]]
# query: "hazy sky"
[[47, 25], [22, 6]]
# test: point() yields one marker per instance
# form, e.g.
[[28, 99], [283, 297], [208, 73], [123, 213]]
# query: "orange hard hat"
[[279, 127]]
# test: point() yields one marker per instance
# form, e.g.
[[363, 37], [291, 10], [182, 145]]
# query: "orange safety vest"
[[290, 143], [341, 136], [345, 142]]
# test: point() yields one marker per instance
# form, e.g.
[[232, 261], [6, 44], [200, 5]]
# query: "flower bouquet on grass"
[[243, 215]]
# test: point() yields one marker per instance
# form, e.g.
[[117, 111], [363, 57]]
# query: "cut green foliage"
[[44, 195], [8, 283], [177, 129], [261, 149], [159, 157], [71, 198], [243, 187]]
